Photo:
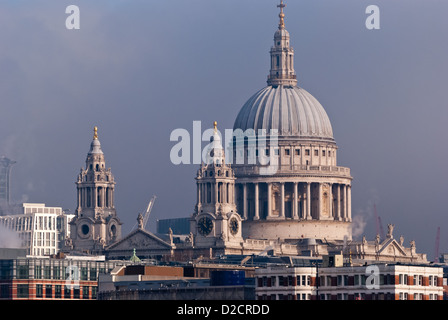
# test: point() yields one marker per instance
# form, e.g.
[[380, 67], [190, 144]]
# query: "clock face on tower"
[[233, 226], [205, 226]]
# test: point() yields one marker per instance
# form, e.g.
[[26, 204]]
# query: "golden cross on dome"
[[95, 133], [281, 25], [215, 124]]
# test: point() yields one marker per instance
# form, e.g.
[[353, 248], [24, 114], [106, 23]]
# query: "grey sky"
[[140, 69]]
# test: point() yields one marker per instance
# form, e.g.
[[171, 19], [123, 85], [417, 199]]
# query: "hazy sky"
[[140, 69]]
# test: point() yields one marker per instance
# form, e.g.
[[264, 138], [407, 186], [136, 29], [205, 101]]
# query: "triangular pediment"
[[140, 240], [391, 247]]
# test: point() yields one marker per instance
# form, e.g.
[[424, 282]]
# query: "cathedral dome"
[[282, 105], [290, 110]]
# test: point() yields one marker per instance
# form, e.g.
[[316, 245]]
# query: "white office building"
[[39, 229]]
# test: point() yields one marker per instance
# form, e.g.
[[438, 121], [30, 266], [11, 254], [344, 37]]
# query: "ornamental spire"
[[95, 133], [281, 24], [282, 56]]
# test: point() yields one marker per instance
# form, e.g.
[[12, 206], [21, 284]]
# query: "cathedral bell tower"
[[215, 222], [96, 224]]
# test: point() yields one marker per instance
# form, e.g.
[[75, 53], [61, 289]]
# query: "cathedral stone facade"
[[307, 195], [296, 203]]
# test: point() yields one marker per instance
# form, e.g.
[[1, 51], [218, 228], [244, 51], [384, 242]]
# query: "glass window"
[[93, 274], [67, 292], [23, 291], [76, 293], [85, 292], [47, 272], [22, 272], [48, 291], [39, 290], [4, 291], [57, 273], [57, 291], [83, 273]]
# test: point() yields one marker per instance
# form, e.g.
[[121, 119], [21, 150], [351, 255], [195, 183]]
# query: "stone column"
[[308, 200], [295, 205], [198, 195], [245, 200], [344, 202], [112, 197], [223, 192], [215, 193], [269, 200], [282, 200], [319, 202], [330, 198], [257, 202], [338, 212], [349, 203], [79, 198], [95, 197]]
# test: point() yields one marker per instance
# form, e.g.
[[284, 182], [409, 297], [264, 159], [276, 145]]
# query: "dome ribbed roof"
[[292, 111]]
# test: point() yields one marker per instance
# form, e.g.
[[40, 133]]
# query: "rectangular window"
[[316, 152], [57, 273], [4, 291], [323, 153], [287, 152], [37, 272], [23, 291], [297, 152], [39, 291], [22, 272], [76, 293], [93, 274], [290, 281], [48, 291], [94, 292], [307, 152], [57, 291], [47, 272], [67, 292], [83, 275], [85, 292]]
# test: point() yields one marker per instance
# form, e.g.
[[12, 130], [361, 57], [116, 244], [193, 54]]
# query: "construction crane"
[[436, 248], [379, 225], [147, 212]]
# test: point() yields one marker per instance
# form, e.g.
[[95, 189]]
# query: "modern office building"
[[5, 172], [40, 229]]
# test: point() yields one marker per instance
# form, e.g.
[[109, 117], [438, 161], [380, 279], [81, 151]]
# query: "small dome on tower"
[[95, 146]]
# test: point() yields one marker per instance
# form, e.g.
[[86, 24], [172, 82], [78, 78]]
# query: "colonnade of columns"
[[92, 197], [295, 200], [215, 192]]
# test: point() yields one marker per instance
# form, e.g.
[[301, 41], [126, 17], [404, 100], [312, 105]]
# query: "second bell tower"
[[96, 224]]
